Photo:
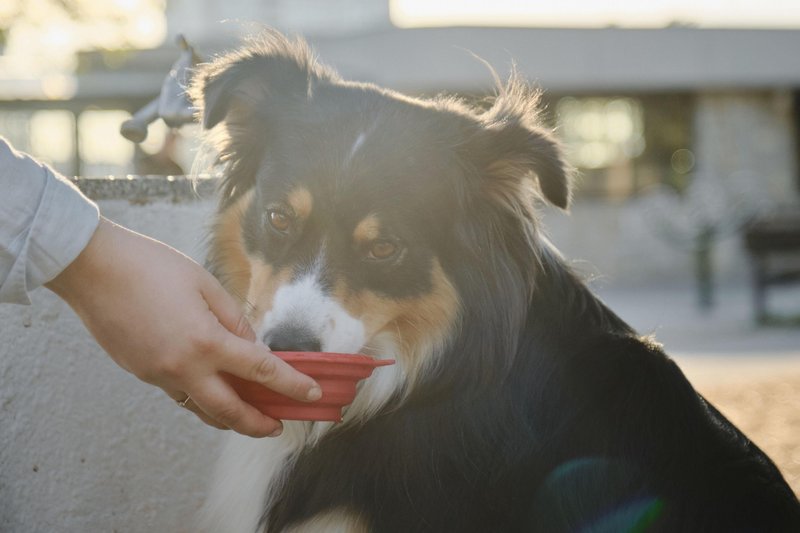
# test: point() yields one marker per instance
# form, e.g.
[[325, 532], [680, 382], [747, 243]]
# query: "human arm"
[[45, 222], [166, 320], [156, 312]]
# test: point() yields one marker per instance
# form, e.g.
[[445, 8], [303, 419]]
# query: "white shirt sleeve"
[[45, 222]]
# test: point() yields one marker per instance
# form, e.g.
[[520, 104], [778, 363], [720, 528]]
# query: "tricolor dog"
[[357, 219]]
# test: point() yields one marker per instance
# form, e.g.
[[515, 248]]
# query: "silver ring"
[[184, 402]]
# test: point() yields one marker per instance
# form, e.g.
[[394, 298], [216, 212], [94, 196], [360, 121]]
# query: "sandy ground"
[[764, 402], [750, 373]]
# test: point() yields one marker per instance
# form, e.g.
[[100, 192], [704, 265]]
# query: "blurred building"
[[637, 108]]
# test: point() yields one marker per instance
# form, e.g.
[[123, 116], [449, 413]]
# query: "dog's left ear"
[[514, 147]]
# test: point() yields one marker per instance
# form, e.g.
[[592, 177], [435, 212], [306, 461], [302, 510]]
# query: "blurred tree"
[[695, 219], [44, 35]]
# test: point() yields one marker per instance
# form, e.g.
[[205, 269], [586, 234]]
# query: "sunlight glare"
[[147, 31], [44, 36], [100, 140], [591, 13], [51, 135]]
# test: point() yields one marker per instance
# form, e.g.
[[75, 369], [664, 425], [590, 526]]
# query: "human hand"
[[165, 319]]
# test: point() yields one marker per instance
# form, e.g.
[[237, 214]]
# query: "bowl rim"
[[334, 357]]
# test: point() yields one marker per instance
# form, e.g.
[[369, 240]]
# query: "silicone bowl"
[[337, 375]]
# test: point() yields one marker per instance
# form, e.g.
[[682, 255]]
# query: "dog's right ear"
[[245, 83], [513, 146]]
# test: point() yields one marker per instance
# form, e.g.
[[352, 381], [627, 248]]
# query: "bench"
[[773, 243]]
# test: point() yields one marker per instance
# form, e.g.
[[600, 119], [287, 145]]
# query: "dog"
[[356, 219]]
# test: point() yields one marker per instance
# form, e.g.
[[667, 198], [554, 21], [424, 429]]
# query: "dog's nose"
[[292, 339]]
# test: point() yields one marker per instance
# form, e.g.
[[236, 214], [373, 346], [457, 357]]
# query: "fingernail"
[[277, 432], [314, 394]]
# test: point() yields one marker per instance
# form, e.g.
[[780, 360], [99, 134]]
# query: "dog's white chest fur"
[[246, 471]]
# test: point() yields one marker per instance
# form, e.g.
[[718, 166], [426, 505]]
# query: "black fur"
[[546, 412], [590, 429]]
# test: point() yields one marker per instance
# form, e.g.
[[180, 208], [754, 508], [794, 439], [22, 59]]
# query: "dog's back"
[[593, 429]]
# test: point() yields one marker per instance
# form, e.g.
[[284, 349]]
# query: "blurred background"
[[682, 116]]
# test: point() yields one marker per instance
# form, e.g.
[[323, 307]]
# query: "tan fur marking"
[[419, 325], [336, 521], [367, 230], [227, 253], [301, 201], [263, 286]]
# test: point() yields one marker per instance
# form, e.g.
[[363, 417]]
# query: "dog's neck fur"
[[448, 417], [562, 300], [444, 410]]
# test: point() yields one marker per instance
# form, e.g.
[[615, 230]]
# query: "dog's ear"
[[514, 147], [265, 72], [246, 93]]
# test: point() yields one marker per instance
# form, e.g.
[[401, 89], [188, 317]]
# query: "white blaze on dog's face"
[[303, 317]]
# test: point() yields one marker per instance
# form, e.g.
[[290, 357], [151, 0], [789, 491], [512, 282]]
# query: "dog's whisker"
[[376, 350], [249, 306]]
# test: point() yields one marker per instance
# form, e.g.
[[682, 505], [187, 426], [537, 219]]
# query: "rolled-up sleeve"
[[45, 222]]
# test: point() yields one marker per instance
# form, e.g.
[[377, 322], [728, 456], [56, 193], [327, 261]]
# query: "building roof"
[[571, 60], [443, 59]]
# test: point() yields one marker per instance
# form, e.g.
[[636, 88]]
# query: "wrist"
[[85, 267]]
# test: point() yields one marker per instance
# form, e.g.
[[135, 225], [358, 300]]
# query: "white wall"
[[84, 446], [213, 21]]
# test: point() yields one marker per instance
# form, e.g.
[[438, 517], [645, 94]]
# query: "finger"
[[189, 405], [254, 362], [219, 401], [227, 310]]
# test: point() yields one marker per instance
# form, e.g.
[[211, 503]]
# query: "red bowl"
[[337, 375]]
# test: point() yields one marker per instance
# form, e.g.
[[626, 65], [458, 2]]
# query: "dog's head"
[[356, 219]]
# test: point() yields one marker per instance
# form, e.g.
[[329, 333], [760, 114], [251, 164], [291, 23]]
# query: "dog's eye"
[[280, 220], [383, 249]]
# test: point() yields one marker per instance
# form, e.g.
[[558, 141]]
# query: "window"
[[623, 144]]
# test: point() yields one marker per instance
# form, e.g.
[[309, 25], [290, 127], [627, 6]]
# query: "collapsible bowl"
[[337, 375]]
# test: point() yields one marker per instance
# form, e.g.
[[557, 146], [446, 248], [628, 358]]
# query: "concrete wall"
[[85, 446]]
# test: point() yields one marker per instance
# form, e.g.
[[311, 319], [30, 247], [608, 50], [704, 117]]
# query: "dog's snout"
[[292, 339]]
